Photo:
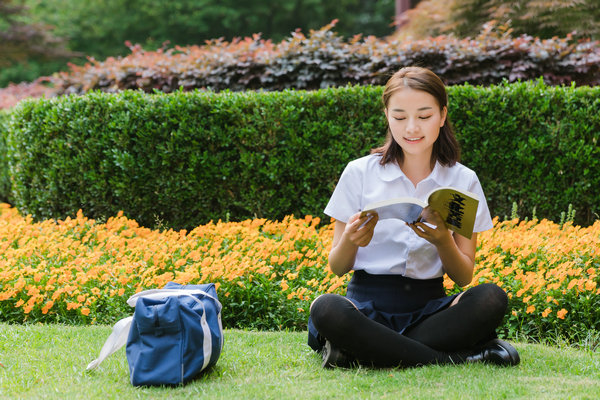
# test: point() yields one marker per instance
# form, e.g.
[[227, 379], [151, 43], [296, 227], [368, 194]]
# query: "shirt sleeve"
[[346, 198], [483, 220]]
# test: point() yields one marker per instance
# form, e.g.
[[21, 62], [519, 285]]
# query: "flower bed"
[[550, 273], [82, 271]]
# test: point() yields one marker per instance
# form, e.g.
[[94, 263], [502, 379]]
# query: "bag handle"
[[158, 294], [115, 341]]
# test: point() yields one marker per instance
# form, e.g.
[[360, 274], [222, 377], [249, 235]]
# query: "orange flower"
[[530, 309], [546, 312], [284, 285], [561, 313], [47, 307], [179, 263]]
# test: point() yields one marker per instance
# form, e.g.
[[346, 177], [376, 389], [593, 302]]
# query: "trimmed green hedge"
[[5, 195], [533, 145], [182, 159], [186, 158]]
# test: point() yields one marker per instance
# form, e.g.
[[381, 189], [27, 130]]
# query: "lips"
[[415, 139]]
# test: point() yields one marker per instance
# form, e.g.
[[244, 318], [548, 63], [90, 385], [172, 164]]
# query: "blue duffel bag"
[[173, 335]]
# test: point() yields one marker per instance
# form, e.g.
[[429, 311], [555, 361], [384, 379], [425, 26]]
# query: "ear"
[[444, 113]]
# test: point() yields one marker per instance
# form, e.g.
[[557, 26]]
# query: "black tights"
[[445, 337]]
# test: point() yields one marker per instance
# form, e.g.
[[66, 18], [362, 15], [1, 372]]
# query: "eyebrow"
[[420, 109]]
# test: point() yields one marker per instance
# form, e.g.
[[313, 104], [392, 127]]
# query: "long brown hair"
[[446, 149]]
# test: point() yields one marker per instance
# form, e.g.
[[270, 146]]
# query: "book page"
[[406, 209]]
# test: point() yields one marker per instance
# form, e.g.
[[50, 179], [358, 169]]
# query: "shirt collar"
[[392, 171]]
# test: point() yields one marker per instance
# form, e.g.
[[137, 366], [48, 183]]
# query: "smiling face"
[[414, 118]]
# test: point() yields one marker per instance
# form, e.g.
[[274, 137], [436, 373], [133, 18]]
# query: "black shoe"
[[334, 357], [497, 352]]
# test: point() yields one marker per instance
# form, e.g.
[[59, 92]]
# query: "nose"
[[411, 125]]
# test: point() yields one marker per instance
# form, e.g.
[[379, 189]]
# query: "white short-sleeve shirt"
[[395, 248]]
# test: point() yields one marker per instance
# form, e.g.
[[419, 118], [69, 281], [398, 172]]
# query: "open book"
[[458, 209]]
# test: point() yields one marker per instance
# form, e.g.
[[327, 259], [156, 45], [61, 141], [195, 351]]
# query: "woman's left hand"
[[437, 235], [456, 252]]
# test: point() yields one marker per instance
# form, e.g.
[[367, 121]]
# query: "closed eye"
[[403, 118]]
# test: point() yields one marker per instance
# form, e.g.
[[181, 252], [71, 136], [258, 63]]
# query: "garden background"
[[193, 162]]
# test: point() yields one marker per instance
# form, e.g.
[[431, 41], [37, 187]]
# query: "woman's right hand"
[[359, 229], [347, 238]]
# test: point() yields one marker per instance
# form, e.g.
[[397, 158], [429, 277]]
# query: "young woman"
[[395, 312]]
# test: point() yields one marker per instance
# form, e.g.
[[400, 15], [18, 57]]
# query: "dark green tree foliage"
[[20, 41], [101, 28], [541, 18], [28, 49]]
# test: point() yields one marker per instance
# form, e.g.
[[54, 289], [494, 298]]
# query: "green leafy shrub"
[[185, 158], [533, 145], [4, 175]]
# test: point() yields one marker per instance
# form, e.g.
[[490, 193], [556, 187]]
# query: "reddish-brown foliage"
[[324, 59]]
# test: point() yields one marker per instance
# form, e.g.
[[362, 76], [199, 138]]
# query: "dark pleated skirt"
[[392, 300]]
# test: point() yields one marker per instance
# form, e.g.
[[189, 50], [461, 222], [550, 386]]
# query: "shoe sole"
[[334, 358], [327, 356]]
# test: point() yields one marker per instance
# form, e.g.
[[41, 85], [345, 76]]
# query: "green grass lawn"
[[48, 362]]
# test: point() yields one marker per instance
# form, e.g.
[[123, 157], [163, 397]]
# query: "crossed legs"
[[445, 337]]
